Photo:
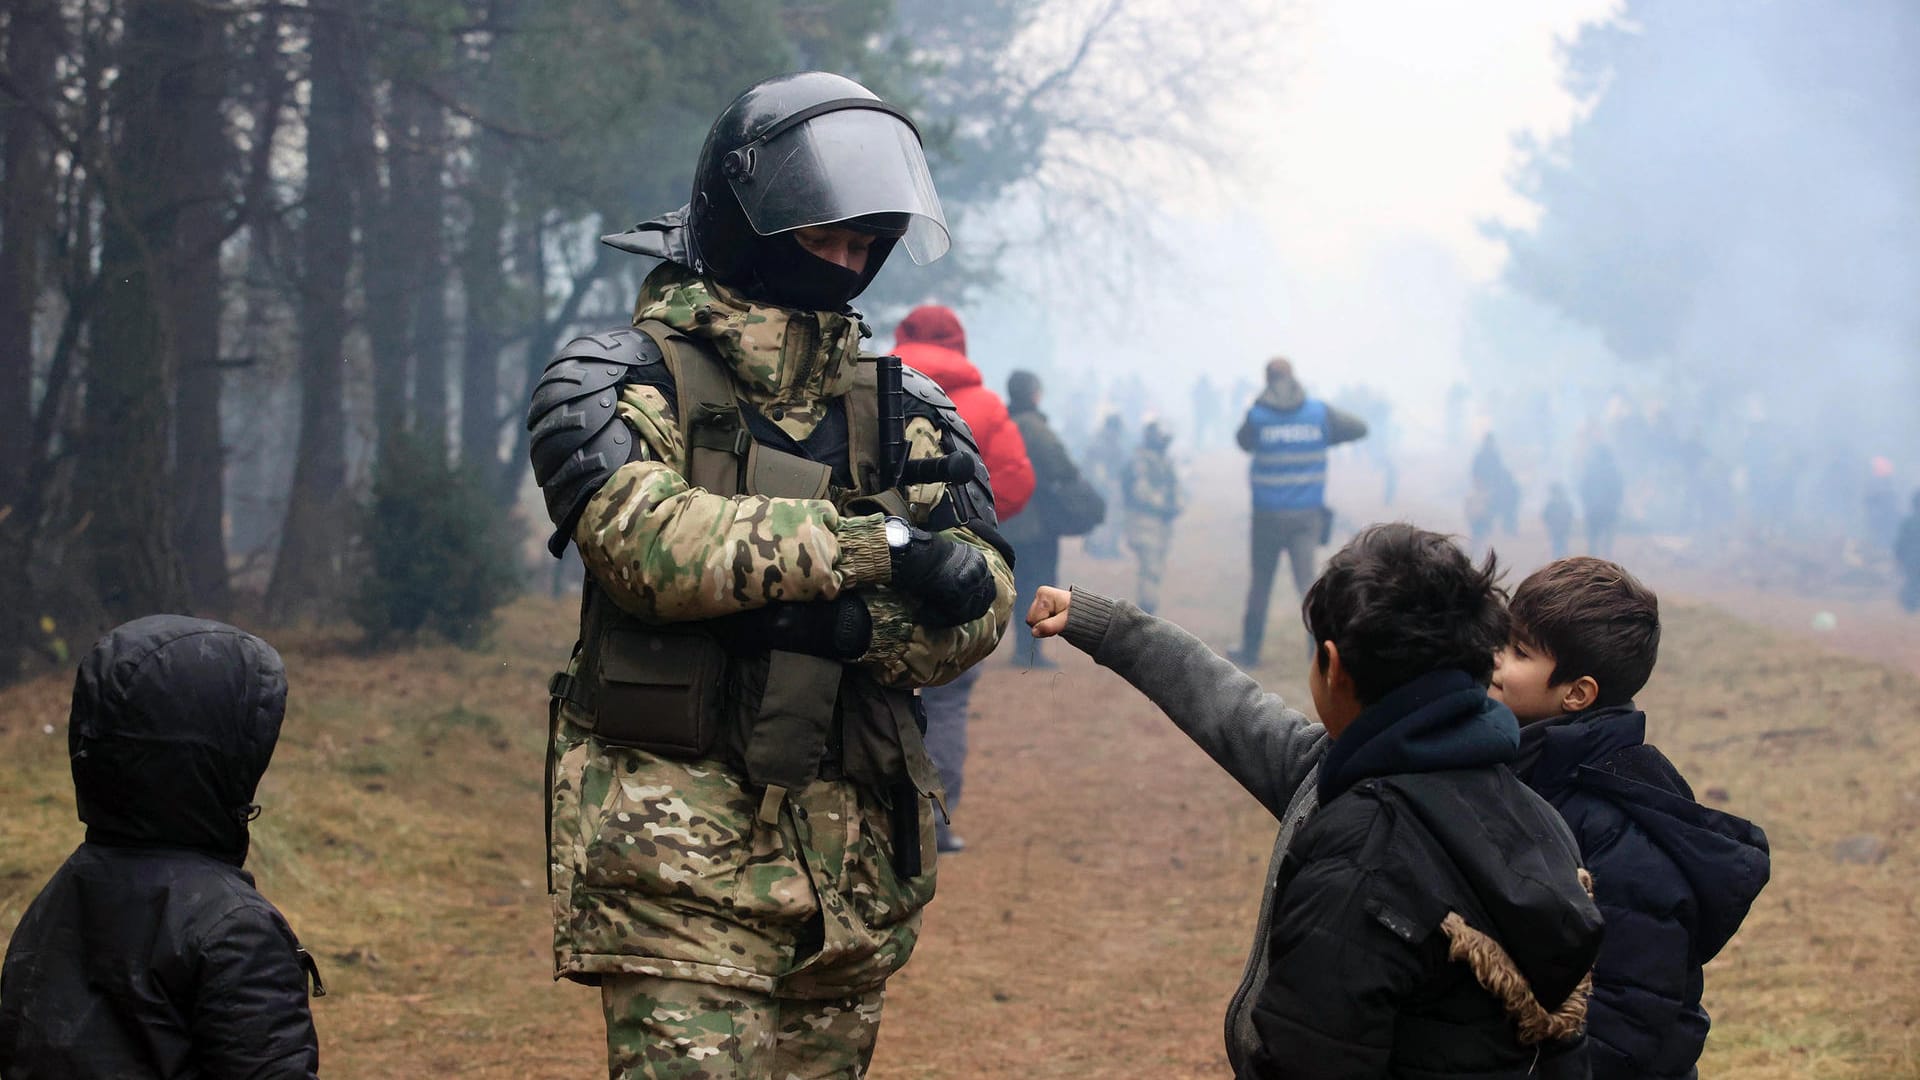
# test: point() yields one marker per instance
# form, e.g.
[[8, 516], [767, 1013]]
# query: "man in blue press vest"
[[1288, 434]]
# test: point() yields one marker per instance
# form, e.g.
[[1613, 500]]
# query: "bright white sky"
[[1397, 117], [1389, 139]]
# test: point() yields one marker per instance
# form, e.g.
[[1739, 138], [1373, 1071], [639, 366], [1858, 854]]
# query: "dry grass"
[[1098, 923]]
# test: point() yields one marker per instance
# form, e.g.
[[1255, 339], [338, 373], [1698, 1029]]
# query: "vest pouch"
[[781, 475], [659, 691]]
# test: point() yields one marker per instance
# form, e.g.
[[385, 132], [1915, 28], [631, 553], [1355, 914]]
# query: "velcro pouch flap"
[[780, 475], [659, 691]]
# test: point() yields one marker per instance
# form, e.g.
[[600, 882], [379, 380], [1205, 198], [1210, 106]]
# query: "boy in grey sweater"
[[1271, 749]]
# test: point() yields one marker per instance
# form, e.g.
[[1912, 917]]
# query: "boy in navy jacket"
[[1673, 878]]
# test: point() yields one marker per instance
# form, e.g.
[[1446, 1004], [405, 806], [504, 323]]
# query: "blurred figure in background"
[[1491, 474], [1288, 435], [1557, 515], [1105, 459], [1064, 504], [1906, 552], [1479, 517], [1153, 500], [1882, 505], [1601, 491], [931, 340]]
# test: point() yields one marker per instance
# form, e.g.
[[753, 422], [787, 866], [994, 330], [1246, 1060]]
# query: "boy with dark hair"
[[1673, 878], [1425, 913], [150, 953]]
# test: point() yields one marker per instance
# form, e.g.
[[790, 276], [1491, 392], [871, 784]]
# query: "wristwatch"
[[899, 532]]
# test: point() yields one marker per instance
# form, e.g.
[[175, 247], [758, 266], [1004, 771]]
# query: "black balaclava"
[[793, 277], [172, 725]]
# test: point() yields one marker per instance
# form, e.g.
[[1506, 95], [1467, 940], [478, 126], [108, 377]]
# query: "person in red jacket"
[[931, 341]]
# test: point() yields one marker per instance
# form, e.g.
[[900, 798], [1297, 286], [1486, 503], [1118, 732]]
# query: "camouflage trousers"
[[1149, 536], [670, 1028]]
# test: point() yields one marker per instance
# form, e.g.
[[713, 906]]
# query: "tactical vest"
[[784, 719], [1289, 470]]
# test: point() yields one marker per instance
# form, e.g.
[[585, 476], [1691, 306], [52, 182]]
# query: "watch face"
[[898, 532]]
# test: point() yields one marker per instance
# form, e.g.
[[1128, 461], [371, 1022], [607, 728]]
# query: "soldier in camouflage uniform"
[[739, 801], [1152, 496]]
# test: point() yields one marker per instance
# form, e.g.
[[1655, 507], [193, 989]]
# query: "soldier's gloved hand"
[[839, 629], [952, 581]]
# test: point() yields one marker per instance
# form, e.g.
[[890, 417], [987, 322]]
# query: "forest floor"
[[1098, 921]]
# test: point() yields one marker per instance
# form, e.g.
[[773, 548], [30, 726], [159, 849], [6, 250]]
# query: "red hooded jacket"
[[931, 342]]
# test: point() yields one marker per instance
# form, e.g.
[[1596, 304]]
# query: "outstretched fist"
[[1048, 615]]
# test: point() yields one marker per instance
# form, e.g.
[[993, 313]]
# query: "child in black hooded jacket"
[[150, 953]]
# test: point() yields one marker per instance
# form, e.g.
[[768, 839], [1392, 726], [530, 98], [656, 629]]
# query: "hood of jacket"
[[1440, 720], [1284, 395], [932, 324], [1725, 859], [172, 725], [790, 363], [1514, 862], [952, 370]]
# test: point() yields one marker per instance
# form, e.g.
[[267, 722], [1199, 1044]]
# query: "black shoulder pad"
[[976, 502], [578, 439]]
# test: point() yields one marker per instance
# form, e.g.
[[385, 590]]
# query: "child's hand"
[[1048, 616]]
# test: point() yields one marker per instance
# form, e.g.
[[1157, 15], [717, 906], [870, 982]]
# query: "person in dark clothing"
[[1425, 913], [1601, 492], [1288, 434], [1490, 474], [1673, 878], [149, 953], [1557, 515], [1063, 501], [1906, 552]]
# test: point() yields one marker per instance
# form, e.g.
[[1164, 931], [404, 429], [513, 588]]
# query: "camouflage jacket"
[[660, 866], [1151, 486], [669, 552]]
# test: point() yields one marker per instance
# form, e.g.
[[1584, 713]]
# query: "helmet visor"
[[836, 166]]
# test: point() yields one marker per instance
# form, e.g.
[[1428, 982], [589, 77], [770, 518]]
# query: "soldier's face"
[[845, 248]]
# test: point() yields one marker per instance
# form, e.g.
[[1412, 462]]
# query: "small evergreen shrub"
[[439, 551]]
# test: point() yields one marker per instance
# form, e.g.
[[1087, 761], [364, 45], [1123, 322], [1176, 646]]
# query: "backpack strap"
[[711, 427]]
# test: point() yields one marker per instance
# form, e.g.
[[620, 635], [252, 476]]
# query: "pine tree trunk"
[[308, 576], [196, 300], [26, 213], [389, 272], [427, 199], [483, 284], [124, 484]]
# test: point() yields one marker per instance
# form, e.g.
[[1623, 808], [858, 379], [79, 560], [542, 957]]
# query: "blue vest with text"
[[1289, 469]]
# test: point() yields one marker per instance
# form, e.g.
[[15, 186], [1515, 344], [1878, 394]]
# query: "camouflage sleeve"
[[903, 652], [669, 552]]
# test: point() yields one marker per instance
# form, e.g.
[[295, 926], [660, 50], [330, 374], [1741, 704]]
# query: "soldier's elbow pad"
[[578, 439]]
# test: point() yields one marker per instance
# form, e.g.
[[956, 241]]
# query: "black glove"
[[838, 629], [951, 579]]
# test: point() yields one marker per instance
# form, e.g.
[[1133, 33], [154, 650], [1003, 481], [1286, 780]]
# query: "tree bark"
[[124, 484], [308, 576], [195, 299], [389, 276], [483, 283], [426, 198], [26, 215]]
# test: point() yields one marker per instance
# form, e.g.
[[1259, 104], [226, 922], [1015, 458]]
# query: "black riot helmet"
[[793, 151]]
